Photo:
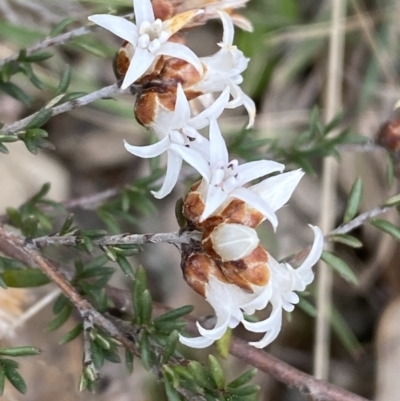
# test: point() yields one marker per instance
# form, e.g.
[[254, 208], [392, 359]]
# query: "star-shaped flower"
[[224, 68], [225, 180], [148, 38], [181, 140], [230, 302]]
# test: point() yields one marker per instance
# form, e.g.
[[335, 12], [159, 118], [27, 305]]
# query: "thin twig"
[[16, 247], [359, 220], [104, 93], [56, 40], [121, 239], [329, 181]]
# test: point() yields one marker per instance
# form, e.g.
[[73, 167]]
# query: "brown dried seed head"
[[179, 71], [153, 101], [237, 211], [251, 270], [389, 136], [197, 268]]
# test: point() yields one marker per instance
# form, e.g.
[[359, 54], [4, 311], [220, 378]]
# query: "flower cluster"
[[229, 267]]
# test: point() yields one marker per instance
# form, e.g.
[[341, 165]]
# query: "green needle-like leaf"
[[346, 240], [26, 350], [243, 378], [354, 200], [387, 227], [217, 372], [15, 379], [340, 266]]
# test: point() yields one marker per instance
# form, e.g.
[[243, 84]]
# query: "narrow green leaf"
[[9, 363], [170, 346], [30, 226], [67, 225], [16, 92], [26, 350], [129, 361], [97, 355], [72, 334], [111, 355], [41, 117], [37, 57], [3, 149], [345, 334], [8, 138], [102, 342], [60, 319], [179, 213], [69, 97], [390, 171], [169, 326], [2, 283], [172, 394], [387, 227], [146, 307], [125, 266], [15, 216], [392, 201], [243, 379], [83, 383], [60, 304], [25, 278], [92, 48], [224, 343], [15, 379], [307, 307], [354, 200], [346, 240], [2, 380], [217, 372], [59, 27], [245, 390], [174, 314], [201, 376], [145, 350], [340, 266], [139, 287]]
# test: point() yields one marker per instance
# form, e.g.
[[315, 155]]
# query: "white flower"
[[181, 140], [225, 179], [230, 302], [224, 68], [148, 37]]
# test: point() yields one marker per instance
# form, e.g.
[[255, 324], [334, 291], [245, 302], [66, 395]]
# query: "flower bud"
[[231, 241]]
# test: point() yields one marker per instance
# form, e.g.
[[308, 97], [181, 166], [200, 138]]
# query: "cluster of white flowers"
[[154, 56]]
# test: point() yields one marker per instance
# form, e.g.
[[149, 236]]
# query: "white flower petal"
[[212, 112], [229, 30], [181, 114], [143, 11], [250, 106], [258, 203], [277, 190], [195, 342], [182, 52], [315, 252], [256, 169], [140, 63], [269, 323], [214, 198], [118, 26], [218, 149], [223, 317], [193, 158], [171, 177], [149, 151]]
